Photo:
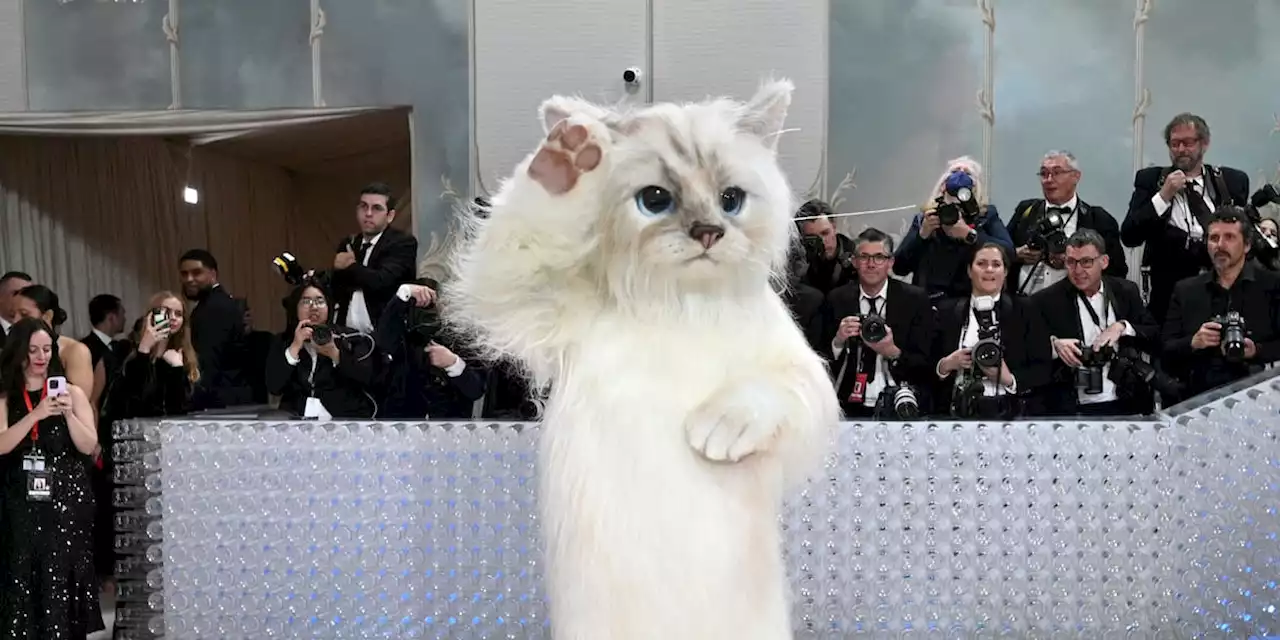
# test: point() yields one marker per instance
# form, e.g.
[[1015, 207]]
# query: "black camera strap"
[[1107, 303]]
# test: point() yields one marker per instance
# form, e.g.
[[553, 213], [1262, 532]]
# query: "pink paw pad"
[[567, 153]]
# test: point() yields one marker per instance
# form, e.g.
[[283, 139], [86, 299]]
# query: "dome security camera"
[[631, 75]]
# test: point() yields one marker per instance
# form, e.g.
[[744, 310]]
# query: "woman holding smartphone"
[[47, 584], [157, 379]]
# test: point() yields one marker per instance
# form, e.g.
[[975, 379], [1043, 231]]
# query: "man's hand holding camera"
[[421, 295], [962, 360], [958, 231], [851, 327], [441, 357], [1068, 349], [1209, 336]]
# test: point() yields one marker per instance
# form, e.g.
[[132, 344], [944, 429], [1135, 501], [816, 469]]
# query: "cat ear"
[[764, 114], [557, 108]]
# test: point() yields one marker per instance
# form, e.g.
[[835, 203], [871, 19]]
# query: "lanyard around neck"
[[26, 396]]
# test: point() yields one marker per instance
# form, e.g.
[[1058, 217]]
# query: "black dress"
[[48, 589]]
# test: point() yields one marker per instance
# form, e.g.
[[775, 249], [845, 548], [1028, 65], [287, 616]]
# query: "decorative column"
[[317, 31], [1141, 95], [170, 27], [986, 95]]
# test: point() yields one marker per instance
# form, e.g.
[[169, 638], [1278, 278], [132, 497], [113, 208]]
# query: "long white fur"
[[683, 395]]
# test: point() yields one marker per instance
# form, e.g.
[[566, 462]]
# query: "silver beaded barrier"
[[1159, 529]]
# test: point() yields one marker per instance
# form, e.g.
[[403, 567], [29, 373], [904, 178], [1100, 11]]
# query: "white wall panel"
[[13, 83], [724, 47], [527, 51]]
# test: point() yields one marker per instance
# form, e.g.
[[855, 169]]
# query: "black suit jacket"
[[1022, 334], [414, 388], [909, 315], [217, 331], [1029, 212], [1255, 295], [344, 390], [810, 310], [1165, 246], [392, 262], [1058, 306]]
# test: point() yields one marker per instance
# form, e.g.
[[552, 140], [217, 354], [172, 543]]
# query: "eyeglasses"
[[1053, 173], [1083, 263], [314, 303], [873, 258]]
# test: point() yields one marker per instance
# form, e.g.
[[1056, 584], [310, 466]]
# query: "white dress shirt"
[[990, 388], [5, 325], [106, 339], [358, 317], [1090, 333], [1182, 217], [881, 380], [1041, 276]]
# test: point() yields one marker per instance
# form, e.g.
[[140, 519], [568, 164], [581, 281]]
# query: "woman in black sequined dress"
[[48, 589]]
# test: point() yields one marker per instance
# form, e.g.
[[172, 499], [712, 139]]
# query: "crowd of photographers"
[[1035, 316]]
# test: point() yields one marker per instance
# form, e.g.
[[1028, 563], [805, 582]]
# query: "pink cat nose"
[[707, 234]]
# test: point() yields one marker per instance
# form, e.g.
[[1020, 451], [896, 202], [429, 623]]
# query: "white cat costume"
[[627, 264]]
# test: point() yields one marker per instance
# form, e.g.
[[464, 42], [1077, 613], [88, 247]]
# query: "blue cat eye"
[[654, 201], [732, 199]]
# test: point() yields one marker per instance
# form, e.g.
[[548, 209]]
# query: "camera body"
[[959, 185], [965, 397], [1092, 362], [1049, 234], [815, 252], [1233, 334], [321, 334], [987, 352], [295, 274], [1131, 372], [898, 402], [873, 327]]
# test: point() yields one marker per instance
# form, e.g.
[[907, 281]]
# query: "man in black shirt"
[[1195, 345]]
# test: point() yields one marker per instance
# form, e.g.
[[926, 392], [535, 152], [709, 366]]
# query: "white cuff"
[[404, 293], [454, 370], [1159, 204], [1013, 388], [1053, 350], [1128, 329], [288, 357], [837, 348], [937, 368]]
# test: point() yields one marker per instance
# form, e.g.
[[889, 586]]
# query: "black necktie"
[[1062, 211], [364, 251], [867, 364]]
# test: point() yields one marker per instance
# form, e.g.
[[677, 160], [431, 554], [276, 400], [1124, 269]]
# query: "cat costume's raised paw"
[[569, 151], [730, 427]]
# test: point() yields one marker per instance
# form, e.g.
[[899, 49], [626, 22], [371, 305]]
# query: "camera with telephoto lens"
[[1131, 372], [898, 402], [966, 395], [1092, 362], [958, 185], [873, 327], [1049, 234], [1233, 334]]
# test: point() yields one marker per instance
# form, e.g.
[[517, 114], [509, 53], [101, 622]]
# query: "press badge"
[[39, 486], [859, 392]]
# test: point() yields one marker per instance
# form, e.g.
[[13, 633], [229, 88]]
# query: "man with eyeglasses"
[[865, 367], [1034, 267], [1092, 311], [1171, 206]]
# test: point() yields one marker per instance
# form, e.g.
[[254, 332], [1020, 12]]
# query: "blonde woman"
[[936, 254], [157, 379]]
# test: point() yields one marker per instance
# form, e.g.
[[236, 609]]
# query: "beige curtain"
[[106, 215]]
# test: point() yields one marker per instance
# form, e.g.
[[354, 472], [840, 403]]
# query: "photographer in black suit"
[[426, 378], [1170, 207], [1040, 243], [1224, 324], [863, 365], [371, 265], [1090, 316]]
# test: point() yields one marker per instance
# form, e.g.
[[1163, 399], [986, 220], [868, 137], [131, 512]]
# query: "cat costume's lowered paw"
[[570, 150], [732, 425]]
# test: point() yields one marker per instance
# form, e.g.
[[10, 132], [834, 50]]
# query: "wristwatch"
[[972, 236]]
